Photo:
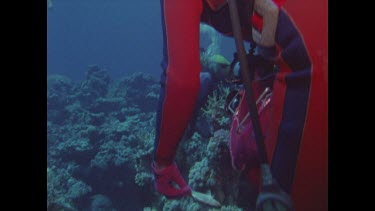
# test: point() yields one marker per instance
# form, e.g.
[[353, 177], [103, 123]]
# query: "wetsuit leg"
[[291, 96], [180, 79]]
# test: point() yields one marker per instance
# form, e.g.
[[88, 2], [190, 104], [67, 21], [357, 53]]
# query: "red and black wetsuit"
[[180, 82]]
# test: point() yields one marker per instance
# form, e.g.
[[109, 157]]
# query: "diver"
[[278, 42]]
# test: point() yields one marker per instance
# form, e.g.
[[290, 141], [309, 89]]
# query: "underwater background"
[[103, 68], [119, 35]]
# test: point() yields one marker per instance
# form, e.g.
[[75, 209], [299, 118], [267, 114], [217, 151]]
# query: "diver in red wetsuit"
[[278, 41]]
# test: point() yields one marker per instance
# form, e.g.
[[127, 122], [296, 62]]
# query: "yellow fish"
[[217, 58]]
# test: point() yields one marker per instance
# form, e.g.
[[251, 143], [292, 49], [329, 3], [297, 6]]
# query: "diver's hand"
[[164, 179]]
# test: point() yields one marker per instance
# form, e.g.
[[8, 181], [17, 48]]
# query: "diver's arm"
[[269, 11]]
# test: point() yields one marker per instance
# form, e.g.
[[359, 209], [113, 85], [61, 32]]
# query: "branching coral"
[[214, 108]]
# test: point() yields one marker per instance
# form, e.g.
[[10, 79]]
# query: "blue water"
[[119, 35]]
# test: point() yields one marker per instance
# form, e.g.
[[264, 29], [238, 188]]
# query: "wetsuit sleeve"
[[180, 78]]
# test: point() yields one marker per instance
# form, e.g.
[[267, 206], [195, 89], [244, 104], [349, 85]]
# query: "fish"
[[217, 58], [205, 198]]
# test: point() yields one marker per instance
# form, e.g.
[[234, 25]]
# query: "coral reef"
[[100, 139], [63, 189], [94, 86], [102, 127], [140, 91], [214, 172]]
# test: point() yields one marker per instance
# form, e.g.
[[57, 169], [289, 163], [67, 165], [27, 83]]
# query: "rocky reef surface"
[[100, 137]]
